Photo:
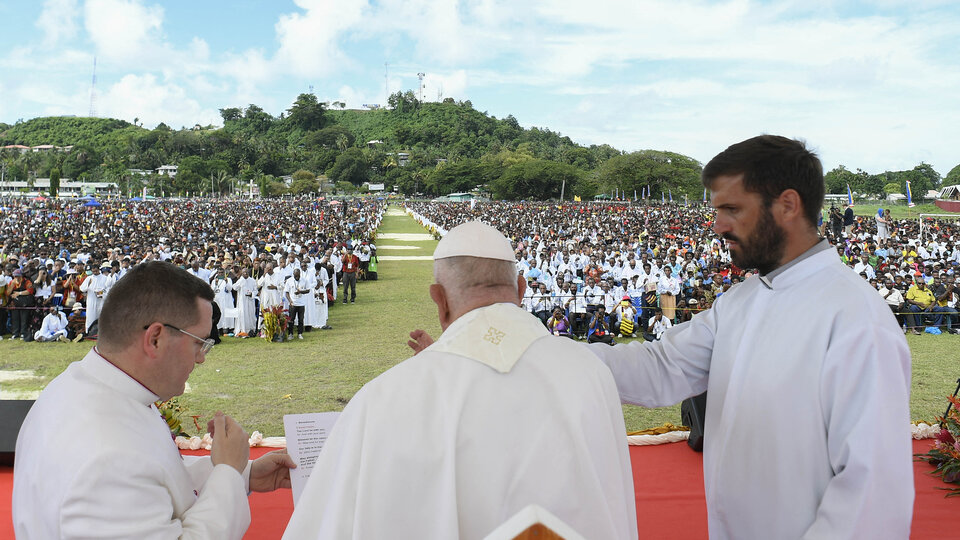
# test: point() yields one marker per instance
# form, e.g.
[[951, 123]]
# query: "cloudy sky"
[[870, 84]]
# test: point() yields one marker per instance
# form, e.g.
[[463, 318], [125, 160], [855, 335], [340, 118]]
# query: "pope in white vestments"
[[496, 415]]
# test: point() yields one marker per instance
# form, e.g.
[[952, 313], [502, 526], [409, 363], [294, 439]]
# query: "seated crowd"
[[635, 269], [59, 259]]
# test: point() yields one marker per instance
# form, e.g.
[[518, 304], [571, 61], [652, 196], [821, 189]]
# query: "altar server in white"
[[53, 327], [320, 296], [807, 372], [94, 457], [246, 287], [271, 288], [222, 286], [496, 415], [95, 287]]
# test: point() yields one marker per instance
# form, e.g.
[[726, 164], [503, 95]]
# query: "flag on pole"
[[634, 195], [849, 196], [663, 198], [576, 198], [617, 193], [704, 195], [909, 196], [671, 194]]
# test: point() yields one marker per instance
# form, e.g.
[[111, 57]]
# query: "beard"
[[763, 249]]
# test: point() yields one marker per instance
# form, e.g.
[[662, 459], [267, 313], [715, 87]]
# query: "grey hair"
[[461, 276]]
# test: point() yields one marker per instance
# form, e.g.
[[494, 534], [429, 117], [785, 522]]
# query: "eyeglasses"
[[207, 343]]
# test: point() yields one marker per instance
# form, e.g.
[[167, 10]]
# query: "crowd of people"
[[596, 271], [469, 415], [60, 258]]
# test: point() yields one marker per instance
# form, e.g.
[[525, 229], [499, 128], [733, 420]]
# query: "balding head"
[[467, 283]]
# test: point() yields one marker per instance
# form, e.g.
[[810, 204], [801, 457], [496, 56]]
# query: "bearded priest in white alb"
[[494, 416], [807, 373]]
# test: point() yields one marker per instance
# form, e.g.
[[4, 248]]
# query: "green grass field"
[[258, 382], [900, 211]]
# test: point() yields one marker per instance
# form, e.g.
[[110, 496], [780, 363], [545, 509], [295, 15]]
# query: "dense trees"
[[922, 179], [953, 177], [432, 148]]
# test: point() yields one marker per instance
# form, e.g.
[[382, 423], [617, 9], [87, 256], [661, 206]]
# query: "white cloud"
[[144, 97], [124, 31], [442, 85], [309, 40], [58, 21]]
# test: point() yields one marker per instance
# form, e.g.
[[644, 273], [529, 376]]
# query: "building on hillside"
[[68, 188], [168, 170], [403, 158], [17, 147]]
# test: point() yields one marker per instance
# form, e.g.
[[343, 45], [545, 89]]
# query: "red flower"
[[945, 437]]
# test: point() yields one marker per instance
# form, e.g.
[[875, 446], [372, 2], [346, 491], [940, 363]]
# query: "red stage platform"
[[668, 480]]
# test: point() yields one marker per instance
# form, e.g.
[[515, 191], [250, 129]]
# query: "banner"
[[849, 196], [909, 196], [704, 195]]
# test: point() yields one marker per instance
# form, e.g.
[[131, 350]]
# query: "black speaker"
[[12, 413], [693, 412]]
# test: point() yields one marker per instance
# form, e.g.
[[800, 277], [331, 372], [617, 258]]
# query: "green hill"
[[66, 131]]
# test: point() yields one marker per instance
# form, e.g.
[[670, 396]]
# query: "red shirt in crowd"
[[351, 263]]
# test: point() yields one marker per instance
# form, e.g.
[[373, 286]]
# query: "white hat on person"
[[474, 239]]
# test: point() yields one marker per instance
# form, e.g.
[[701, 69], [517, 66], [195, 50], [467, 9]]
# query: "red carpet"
[[669, 484]]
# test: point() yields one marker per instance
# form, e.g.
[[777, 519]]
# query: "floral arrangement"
[[172, 410], [945, 454], [274, 323]]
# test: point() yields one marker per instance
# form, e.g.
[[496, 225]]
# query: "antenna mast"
[[93, 90], [420, 76]]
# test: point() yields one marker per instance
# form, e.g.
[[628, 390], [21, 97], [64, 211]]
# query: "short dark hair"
[[150, 292], [771, 164]]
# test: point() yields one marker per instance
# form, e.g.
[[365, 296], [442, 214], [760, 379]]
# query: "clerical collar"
[[822, 245]]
